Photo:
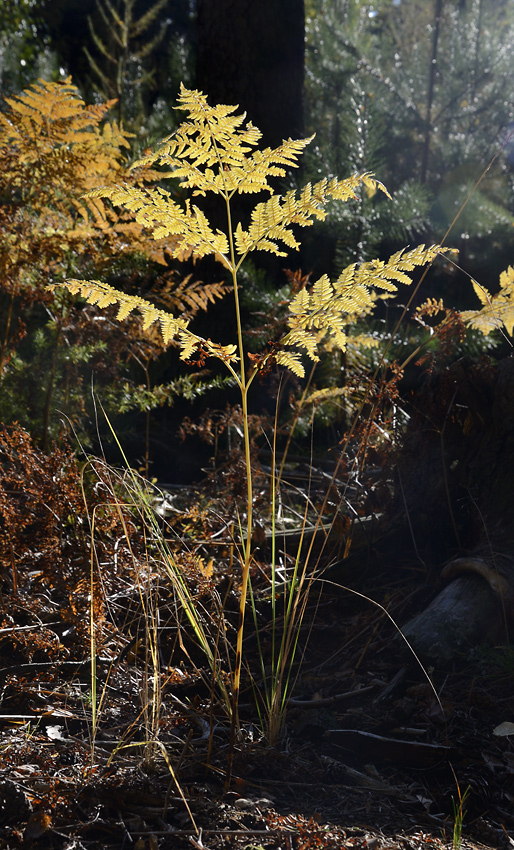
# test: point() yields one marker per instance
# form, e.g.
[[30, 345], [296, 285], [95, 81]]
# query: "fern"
[[213, 151], [496, 310], [190, 296], [54, 149], [103, 295], [329, 308]]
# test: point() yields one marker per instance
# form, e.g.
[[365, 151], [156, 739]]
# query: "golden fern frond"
[[364, 340], [57, 110], [497, 310], [325, 394], [271, 220], [292, 361], [155, 209], [103, 295], [381, 274], [50, 132], [328, 308], [210, 151], [188, 346], [253, 175], [482, 294]]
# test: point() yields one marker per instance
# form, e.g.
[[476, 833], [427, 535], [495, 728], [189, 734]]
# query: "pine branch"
[[146, 19]]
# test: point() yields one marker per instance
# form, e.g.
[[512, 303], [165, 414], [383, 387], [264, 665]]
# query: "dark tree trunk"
[[430, 93], [251, 53]]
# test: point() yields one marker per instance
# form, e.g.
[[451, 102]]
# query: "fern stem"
[[243, 385]]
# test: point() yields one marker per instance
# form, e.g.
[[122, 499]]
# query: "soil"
[[377, 749]]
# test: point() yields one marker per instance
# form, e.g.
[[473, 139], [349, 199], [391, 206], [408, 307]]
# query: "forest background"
[[418, 93], [270, 504]]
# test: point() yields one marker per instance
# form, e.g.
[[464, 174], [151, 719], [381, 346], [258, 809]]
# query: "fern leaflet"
[[103, 295], [329, 308], [497, 310]]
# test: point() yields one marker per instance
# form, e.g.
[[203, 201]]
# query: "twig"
[[319, 703]]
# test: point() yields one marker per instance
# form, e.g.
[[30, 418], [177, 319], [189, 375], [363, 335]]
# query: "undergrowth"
[[213, 151]]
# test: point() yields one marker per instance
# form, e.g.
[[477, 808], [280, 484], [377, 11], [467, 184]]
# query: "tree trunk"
[[455, 469], [430, 92], [251, 53]]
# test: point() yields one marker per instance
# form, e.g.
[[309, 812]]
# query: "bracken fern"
[[215, 151]]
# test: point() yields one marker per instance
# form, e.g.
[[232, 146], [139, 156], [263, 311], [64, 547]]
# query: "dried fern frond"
[[190, 296], [70, 146], [496, 310], [54, 150]]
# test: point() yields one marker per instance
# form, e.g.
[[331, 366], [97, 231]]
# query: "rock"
[[467, 612]]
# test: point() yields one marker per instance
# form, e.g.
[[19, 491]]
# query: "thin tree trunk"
[[430, 93], [252, 54], [50, 392], [476, 63], [5, 341]]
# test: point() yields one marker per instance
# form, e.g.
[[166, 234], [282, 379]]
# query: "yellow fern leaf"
[[323, 290], [328, 308], [482, 294], [291, 361], [96, 292], [188, 346], [212, 150], [155, 210], [364, 340], [497, 310], [103, 295], [272, 219]]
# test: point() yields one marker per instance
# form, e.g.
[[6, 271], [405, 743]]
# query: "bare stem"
[[247, 546]]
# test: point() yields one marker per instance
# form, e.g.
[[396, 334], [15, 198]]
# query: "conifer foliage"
[[120, 52]]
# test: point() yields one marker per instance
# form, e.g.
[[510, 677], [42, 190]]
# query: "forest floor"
[[374, 752]]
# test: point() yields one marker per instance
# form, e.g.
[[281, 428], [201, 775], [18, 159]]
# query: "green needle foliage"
[[214, 151]]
